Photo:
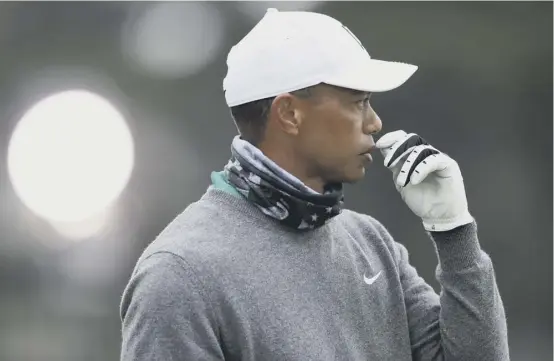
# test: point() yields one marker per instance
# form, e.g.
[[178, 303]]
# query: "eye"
[[364, 103]]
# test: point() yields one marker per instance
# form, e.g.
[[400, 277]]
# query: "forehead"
[[342, 92]]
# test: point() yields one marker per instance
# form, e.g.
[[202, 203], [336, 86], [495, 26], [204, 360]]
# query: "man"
[[268, 266]]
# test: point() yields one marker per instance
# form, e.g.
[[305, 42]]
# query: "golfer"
[[269, 265]]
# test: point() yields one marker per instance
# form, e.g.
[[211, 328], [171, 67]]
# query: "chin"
[[357, 178], [349, 173], [353, 176]]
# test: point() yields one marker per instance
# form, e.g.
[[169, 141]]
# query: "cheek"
[[340, 147], [339, 124], [332, 136], [346, 132]]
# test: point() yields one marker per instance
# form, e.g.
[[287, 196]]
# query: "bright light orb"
[[70, 156]]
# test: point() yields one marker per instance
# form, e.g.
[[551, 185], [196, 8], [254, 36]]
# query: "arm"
[[165, 316], [467, 321]]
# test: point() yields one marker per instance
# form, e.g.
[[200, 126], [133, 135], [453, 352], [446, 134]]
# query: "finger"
[[399, 150], [419, 155], [450, 169], [400, 158], [388, 152], [433, 164], [389, 139]]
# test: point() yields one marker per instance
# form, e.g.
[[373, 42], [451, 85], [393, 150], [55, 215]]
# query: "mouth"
[[366, 154]]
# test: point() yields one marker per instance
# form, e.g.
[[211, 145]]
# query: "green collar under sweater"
[[219, 181]]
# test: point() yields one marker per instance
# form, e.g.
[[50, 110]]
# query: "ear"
[[287, 113]]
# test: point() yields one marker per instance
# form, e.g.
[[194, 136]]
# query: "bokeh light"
[[94, 225], [173, 40], [70, 156]]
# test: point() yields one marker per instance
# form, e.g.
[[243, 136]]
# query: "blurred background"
[[112, 117]]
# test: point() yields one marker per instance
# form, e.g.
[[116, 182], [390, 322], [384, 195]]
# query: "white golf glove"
[[429, 181]]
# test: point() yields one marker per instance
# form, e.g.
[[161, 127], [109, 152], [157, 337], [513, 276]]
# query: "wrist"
[[459, 248], [447, 224]]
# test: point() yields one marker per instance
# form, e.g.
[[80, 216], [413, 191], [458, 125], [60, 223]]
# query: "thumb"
[[390, 138]]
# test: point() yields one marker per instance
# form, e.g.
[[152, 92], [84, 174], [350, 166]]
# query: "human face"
[[335, 135]]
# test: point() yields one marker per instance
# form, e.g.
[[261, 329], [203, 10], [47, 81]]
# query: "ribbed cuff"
[[443, 225], [457, 249]]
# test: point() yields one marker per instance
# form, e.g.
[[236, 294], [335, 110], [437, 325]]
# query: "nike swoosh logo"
[[370, 281]]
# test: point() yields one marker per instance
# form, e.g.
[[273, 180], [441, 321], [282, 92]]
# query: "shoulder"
[[185, 249], [195, 228], [173, 265]]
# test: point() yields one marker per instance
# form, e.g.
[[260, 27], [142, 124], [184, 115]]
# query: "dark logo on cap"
[[354, 36]]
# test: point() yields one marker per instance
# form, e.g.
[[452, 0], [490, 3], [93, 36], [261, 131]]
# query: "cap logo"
[[354, 36]]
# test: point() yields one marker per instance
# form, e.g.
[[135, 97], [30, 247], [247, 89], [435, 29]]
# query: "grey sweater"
[[225, 282]]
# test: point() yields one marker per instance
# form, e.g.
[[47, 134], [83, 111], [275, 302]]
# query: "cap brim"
[[374, 76]]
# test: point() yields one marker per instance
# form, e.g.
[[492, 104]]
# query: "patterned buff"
[[277, 193]]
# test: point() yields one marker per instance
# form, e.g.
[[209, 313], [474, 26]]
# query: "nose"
[[372, 123]]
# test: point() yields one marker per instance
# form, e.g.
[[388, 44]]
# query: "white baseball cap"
[[292, 50]]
